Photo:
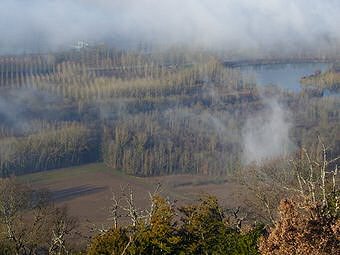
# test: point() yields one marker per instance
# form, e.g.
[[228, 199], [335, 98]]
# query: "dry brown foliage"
[[303, 229], [308, 222]]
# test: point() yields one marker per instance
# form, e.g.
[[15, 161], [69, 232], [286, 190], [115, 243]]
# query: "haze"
[[286, 26]]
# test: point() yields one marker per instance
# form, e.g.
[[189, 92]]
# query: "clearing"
[[86, 190]]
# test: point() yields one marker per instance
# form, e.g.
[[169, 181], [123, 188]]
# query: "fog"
[[18, 107], [266, 135], [233, 25]]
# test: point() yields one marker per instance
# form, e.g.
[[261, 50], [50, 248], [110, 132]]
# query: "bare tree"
[[29, 221], [308, 222], [62, 228]]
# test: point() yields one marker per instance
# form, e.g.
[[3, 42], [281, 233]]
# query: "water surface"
[[286, 76]]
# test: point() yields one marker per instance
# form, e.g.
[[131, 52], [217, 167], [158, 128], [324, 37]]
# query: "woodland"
[[152, 113], [146, 114]]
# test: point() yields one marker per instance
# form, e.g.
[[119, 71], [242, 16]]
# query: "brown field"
[[86, 190]]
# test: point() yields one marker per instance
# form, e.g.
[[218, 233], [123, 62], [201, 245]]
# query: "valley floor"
[[86, 190]]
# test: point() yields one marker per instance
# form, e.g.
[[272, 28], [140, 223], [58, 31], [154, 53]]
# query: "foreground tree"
[[151, 231], [206, 229], [30, 223], [309, 222], [307, 229], [201, 228]]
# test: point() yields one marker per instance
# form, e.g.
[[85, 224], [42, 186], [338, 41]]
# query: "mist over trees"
[[155, 90], [157, 113], [151, 113]]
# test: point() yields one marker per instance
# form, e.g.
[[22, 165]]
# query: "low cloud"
[[259, 25]]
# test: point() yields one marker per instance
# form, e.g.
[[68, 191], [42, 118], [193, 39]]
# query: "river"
[[286, 75]]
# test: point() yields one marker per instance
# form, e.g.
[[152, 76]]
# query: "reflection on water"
[[286, 76]]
